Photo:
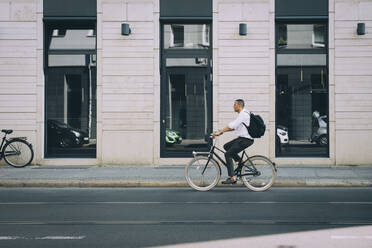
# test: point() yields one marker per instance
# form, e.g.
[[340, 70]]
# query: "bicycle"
[[203, 172], [17, 152]]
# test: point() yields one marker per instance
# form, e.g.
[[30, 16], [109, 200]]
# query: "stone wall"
[[20, 52], [352, 82], [127, 79]]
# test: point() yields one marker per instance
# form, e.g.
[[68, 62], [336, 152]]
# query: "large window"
[[70, 92], [190, 36], [302, 89], [301, 36], [186, 89]]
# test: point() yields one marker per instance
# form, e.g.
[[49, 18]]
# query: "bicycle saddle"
[[7, 131]]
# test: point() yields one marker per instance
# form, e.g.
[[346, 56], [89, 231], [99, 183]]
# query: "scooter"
[[172, 137], [320, 130]]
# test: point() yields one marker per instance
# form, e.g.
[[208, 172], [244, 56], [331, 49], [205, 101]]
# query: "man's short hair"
[[240, 102]]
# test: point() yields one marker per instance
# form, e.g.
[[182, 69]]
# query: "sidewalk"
[[171, 176]]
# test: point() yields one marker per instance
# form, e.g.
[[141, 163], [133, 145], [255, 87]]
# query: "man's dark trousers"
[[232, 149]]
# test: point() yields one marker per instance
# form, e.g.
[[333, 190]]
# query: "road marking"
[[350, 237], [43, 238], [61, 237], [9, 237], [175, 202], [187, 222]]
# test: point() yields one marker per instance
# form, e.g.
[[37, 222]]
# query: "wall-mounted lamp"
[[125, 29], [242, 29], [361, 30]]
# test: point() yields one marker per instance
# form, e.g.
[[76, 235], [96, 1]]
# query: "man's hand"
[[218, 133]]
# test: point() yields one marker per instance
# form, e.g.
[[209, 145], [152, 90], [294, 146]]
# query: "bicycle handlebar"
[[214, 140]]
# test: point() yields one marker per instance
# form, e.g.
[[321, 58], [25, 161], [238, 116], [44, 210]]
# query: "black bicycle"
[[203, 172], [17, 152]]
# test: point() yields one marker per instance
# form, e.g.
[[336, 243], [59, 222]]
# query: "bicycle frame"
[[212, 153], [4, 141]]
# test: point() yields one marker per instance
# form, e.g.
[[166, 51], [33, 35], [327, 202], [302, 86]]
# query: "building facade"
[[145, 81]]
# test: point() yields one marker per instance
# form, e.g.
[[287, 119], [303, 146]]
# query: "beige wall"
[[128, 80], [19, 53], [241, 67], [353, 82]]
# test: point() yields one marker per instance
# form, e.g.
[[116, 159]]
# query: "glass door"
[[186, 115], [302, 88], [186, 88], [302, 111], [70, 89]]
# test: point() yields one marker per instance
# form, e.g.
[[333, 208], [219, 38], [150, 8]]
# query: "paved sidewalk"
[[162, 176]]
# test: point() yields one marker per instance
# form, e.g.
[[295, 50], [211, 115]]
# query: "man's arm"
[[220, 132]]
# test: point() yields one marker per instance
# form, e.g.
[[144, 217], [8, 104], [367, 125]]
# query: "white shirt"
[[237, 124]]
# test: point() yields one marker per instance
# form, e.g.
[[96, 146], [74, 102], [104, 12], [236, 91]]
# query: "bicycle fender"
[[17, 138], [23, 139]]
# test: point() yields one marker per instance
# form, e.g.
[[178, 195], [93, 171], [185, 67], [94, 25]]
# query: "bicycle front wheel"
[[258, 173], [18, 153], [202, 176]]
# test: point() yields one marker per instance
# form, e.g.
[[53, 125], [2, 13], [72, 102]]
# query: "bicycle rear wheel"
[[258, 173], [18, 153], [202, 177]]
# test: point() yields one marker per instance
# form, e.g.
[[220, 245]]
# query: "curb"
[[322, 184], [88, 184], [98, 184]]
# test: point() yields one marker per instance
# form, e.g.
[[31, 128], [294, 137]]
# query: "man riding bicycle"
[[237, 145]]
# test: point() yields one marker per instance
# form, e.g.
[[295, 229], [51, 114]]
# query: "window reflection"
[[71, 92], [72, 39], [186, 36], [302, 107], [186, 107], [301, 90], [301, 36]]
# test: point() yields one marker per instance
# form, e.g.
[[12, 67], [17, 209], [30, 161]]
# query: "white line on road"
[[350, 237], [9, 237], [180, 202], [187, 222], [61, 237], [43, 238]]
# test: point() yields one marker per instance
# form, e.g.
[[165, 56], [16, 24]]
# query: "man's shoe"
[[229, 181]]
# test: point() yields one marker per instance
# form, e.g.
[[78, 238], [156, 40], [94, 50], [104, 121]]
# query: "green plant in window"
[[282, 42]]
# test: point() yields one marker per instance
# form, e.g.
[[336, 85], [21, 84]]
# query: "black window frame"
[[49, 24], [325, 50], [183, 53], [304, 50]]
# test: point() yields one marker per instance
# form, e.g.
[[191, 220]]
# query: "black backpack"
[[256, 127]]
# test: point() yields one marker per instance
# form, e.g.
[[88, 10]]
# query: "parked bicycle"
[[203, 172], [17, 152]]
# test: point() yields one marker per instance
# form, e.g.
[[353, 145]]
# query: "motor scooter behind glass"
[[319, 129]]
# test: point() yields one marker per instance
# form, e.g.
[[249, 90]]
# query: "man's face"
[[236, 107]]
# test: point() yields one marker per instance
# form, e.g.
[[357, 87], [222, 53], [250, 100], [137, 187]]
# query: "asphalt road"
[[143, 217]]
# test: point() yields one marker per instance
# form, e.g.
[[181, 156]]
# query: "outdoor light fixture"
[[125, 29], [242, 29], [361, 30]]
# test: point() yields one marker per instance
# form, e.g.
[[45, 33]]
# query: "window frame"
[[324, 50], [182, 53], [63, 23], [301, 50]]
